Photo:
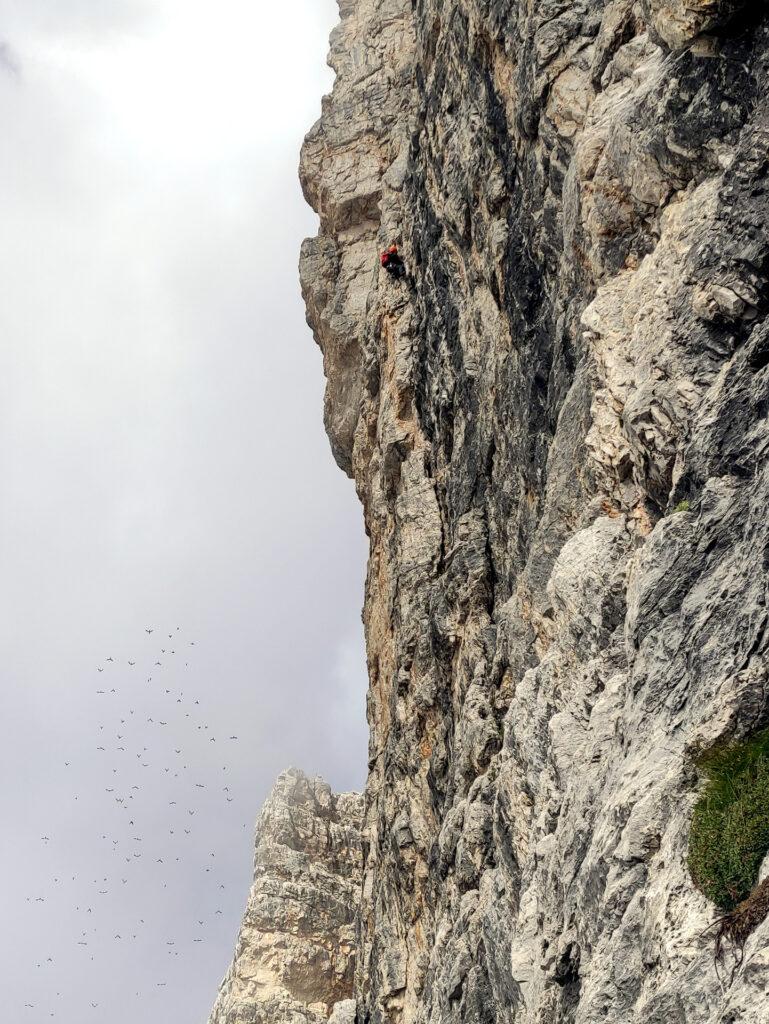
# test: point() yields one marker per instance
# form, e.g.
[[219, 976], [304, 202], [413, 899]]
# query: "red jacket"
[[386, 256]]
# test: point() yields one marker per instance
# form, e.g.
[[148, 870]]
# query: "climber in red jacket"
[[391, 261]]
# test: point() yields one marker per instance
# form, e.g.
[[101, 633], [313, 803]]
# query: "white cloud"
[[91, 19]]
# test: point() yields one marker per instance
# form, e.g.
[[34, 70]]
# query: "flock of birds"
[[151, 793]]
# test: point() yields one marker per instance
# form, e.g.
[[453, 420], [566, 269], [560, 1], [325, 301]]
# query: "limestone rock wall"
[[295, 954], [579, 190]]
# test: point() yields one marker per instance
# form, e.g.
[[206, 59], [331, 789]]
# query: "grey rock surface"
[[579, 190], [295, 954]]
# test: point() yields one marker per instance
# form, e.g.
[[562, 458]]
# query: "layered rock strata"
[[295, 953], [557, 427]]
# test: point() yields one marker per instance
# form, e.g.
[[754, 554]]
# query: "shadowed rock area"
[[295, 954], [557, 427]]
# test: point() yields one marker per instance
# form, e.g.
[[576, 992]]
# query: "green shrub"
[[730, 828], [682, 506]]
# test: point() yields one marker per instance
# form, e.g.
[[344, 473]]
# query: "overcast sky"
[[162, 466]]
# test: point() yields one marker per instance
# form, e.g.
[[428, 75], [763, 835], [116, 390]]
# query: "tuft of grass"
[[682, 506], [729, 836]]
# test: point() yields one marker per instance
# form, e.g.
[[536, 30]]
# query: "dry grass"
[[736, 927]]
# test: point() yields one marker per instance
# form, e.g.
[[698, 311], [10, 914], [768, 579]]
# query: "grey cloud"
[[163, 464], [9, 62]]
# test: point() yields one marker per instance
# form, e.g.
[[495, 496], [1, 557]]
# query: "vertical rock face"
[[295, 954], [579, 192]]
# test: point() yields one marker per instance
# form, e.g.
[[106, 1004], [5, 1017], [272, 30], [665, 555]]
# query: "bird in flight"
[[149, 631]]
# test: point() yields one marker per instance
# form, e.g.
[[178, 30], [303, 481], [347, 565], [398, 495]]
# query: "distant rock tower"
[[295, 956]]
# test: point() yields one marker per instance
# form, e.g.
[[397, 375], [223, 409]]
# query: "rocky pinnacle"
[[295, 953]]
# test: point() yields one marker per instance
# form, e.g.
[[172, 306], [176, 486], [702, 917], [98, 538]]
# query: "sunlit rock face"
[[579, 192], [295, 954]]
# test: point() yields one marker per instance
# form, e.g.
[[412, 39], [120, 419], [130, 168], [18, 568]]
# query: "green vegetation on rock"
[[730, 827]]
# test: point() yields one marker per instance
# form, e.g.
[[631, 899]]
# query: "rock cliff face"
[[557, 426], [295, 954]]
